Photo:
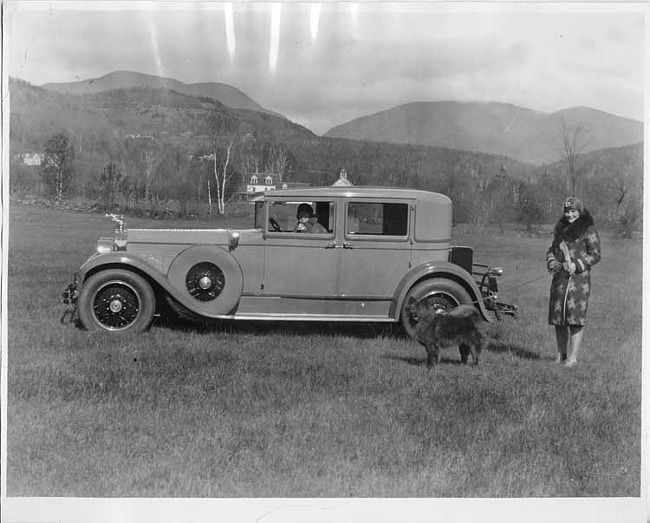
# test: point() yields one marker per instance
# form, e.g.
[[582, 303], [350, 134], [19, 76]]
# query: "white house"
[[32, 159], [260, 182], [343, 180]]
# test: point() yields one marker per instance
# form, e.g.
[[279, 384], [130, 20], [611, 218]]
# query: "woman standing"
[[575, 249]]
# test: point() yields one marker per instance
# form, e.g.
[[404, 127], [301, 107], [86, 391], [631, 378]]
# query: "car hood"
[[187, 236]]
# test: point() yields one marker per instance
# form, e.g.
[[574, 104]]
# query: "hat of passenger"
[[304, 209], [573, 203]]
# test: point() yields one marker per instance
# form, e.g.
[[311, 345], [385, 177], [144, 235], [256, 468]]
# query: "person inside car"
[[307, 220]]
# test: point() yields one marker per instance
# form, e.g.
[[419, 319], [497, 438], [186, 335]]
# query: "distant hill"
[[603, 164], [166, 115], [495, 128], [223, 93]]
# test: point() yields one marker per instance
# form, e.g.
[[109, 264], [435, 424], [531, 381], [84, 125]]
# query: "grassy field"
[[232, 410]]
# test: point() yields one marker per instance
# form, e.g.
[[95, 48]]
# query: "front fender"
[[120, 259], [123, 260], [441, 269], [173, 282]]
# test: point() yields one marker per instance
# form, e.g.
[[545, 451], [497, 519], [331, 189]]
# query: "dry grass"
[[281, 410]]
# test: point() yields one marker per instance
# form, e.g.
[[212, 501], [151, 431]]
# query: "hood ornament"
[[119, 219]]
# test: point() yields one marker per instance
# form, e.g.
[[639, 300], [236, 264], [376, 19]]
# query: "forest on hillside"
[[155, 151]]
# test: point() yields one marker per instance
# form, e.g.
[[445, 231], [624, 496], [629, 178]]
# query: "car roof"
[[354, 192]]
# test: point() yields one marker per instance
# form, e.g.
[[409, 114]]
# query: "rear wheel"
[[435, 293], [117, 301]]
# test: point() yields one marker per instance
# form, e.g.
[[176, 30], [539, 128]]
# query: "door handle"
[[331, 245], [347, 245]]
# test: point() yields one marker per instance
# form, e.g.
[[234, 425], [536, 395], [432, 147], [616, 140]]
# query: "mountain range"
[[495, 128], [224, 93]]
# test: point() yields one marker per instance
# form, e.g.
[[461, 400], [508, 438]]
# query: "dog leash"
[[544, 276]]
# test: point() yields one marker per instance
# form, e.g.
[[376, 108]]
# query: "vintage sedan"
[[334, 254]]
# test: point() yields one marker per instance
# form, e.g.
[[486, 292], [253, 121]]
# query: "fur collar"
[[572, 231]]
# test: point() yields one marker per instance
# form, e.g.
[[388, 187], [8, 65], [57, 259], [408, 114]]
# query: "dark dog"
[[458, 327]]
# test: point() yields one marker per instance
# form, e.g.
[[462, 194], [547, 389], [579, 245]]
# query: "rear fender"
[[438, 269]]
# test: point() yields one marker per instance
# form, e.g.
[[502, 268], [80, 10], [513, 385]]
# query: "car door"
[[300, 264], [376, 250]]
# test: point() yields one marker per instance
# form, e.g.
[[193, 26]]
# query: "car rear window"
[[377, 219]]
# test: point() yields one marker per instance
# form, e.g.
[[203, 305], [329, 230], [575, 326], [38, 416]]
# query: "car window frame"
[[379, 237], [292, 234]]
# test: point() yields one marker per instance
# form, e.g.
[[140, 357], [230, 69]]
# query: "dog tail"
[[464, 311]]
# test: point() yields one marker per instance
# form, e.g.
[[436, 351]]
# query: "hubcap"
[[205, 281], [116, 305]]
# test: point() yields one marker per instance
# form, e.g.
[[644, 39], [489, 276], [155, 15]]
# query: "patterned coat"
[[569, 297]]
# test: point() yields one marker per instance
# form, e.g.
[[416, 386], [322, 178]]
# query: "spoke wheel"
[[440, 300], [435, 293], [205, 281], [116, 300]]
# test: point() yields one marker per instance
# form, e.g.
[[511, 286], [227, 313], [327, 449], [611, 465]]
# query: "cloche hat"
[[574, 203]]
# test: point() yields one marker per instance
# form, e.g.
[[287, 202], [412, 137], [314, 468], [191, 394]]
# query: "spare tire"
[[208, 278]]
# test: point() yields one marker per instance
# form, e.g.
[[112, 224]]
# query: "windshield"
[[259, 215]]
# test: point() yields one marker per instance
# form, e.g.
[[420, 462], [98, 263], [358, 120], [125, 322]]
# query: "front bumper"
[[69, 297]]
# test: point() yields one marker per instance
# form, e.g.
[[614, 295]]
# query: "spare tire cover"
[[208, 279]]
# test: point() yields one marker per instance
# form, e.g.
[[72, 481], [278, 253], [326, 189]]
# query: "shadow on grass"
[[422, 360], [495, 346], [499, 347], [357, 330], [307, 329]]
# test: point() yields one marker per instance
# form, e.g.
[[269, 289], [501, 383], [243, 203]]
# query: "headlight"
[[104, 245], [233, 240]]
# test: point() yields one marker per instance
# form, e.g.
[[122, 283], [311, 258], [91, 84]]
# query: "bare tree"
[[147, 160], [58, 164], [250, 159], [221, 174], [278, 161], [109, 184], [574, 144], [622, 185]]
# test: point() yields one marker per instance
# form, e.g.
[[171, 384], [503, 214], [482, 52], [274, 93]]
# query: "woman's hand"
[[553, 266], [570, 267]]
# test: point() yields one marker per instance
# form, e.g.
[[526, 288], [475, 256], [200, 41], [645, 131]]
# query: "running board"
[[307, 317]]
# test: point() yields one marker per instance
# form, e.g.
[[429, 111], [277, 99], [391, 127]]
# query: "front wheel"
[[437, 293], [116, 301]]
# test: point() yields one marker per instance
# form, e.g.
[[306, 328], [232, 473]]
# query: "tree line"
[[143, 177]]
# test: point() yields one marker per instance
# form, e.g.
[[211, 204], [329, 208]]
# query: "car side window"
[[305, 217], [377, 219]]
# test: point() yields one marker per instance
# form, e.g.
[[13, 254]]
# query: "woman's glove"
[[570, 267], [553, 266]]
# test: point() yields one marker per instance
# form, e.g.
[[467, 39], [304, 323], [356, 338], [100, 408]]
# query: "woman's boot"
[[576, 340]]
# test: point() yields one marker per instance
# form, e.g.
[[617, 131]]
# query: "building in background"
[[343, 180]]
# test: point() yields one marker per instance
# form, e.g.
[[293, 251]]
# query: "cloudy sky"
[[324, 64]]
